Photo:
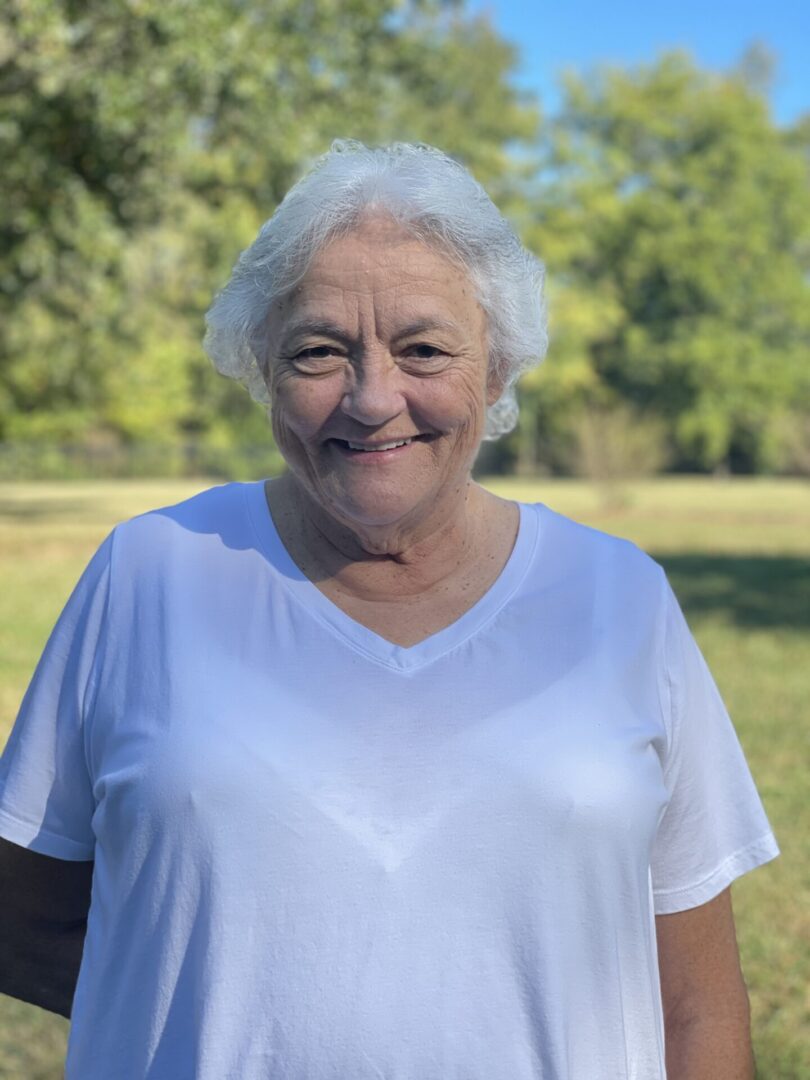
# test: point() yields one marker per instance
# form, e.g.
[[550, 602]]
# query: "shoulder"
[[564, 538], [580, 557], [205, 511], [214, 520]]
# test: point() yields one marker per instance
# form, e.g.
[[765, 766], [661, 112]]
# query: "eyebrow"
[[325, 328], [424, 325], [315, 326]]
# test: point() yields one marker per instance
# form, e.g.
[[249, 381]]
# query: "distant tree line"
[[144, 141]]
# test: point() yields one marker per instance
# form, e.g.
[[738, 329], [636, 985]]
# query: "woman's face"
[[383, 340]]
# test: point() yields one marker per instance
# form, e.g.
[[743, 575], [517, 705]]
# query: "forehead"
[[383, 267]]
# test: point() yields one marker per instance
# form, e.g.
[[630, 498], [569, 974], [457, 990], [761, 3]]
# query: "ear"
[[495, 387], [259, 346]]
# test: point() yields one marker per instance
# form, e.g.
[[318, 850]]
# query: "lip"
[[378, 456]]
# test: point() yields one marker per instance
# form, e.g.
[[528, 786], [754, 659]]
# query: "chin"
[[372, 511], [380, 514]]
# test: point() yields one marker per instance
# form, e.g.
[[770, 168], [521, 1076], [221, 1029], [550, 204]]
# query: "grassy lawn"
[[738, 555]]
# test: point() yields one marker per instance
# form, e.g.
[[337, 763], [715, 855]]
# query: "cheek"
[[303, 407], [461, 401]]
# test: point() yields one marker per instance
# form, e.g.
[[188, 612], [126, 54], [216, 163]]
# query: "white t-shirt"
[[321, 856]]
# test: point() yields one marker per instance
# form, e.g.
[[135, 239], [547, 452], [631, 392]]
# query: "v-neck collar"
[[359, 637]]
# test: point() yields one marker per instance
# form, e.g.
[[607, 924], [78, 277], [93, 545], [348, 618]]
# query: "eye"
[[315, 352], [317, 359], [423, 351]]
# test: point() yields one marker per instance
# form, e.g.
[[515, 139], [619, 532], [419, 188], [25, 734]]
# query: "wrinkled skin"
[[382, 339]]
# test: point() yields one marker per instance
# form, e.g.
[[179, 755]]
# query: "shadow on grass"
[[40, 509], [757, 591]]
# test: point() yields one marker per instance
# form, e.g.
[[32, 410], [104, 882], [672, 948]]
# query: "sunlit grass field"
[[738, 555]]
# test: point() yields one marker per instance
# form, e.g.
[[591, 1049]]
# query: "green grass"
[[738, 555]]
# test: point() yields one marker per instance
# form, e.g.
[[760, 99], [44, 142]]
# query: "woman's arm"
[[43, 920], [706, 1011]]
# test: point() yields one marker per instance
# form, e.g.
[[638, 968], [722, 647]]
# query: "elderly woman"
[[363, 772]]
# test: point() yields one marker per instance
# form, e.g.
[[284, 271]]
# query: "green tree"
[[143, 144], [675, 219]]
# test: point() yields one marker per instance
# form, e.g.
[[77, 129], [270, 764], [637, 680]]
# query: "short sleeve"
[[46, 792], [714, 828]]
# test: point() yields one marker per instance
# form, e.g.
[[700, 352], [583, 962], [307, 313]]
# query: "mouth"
[[381, 451]]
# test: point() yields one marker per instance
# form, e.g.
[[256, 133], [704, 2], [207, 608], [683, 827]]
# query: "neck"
[[400, 559]]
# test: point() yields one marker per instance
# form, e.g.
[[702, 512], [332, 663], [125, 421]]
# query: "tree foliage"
[[147, 140], [675, 218], [144, 142]]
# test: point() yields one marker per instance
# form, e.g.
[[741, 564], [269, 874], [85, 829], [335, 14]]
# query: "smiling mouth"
[[382, 447]]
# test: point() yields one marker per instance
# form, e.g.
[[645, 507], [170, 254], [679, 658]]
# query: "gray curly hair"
[[433, 197]]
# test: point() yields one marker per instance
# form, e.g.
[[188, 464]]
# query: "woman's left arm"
[[706, 1010]]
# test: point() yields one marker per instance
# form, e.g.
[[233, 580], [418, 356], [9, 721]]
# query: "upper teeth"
[[382, 446]]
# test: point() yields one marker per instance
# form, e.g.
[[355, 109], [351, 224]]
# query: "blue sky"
[[580, 33]]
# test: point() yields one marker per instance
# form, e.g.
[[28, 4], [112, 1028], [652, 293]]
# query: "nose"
[[374, 394]]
